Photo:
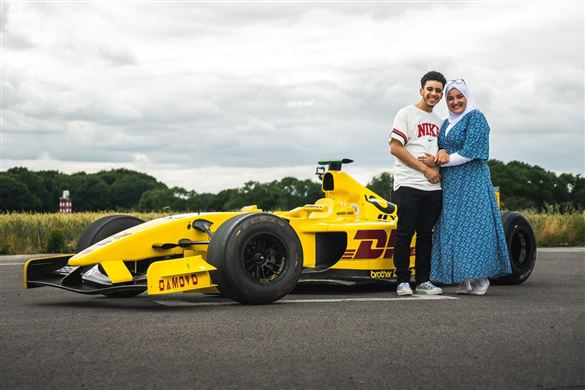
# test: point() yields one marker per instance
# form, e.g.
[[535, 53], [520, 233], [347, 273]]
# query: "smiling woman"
[[456, 100], [469, 244]]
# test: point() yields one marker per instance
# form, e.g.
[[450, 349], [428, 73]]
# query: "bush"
[[4, 249], [56, 242], [556, 229]]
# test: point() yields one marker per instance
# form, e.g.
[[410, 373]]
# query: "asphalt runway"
[[529, 336]]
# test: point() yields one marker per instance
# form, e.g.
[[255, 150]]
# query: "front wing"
[[187, 274]]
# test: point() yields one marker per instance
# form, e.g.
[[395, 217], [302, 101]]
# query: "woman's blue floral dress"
[[469, 241]]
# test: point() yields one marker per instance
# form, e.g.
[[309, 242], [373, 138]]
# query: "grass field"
[[26, 233], [558, 229]]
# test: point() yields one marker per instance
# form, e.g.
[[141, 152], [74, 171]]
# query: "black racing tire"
[[258, 257], [104, 228], [521, 247]]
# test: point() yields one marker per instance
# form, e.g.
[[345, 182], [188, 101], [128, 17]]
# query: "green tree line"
[[522, 187]]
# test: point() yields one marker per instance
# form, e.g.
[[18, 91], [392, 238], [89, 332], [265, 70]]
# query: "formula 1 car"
[[251, 256]]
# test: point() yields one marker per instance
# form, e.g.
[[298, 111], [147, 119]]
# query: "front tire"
[[258, 258], [104, 228], [521, 247]]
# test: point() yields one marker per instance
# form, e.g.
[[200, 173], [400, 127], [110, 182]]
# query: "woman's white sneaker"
[[464, 287], [481, 286], [427, 288]]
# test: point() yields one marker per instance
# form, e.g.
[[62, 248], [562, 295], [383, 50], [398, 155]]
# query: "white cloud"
[[301, 103], [207, 96]]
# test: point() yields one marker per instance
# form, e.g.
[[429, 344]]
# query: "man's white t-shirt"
[[418, 131]]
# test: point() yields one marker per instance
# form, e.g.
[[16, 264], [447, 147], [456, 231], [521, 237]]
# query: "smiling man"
[[417, 187]]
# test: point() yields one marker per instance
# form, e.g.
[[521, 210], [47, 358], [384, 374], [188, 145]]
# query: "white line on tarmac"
[[323, 300], [185, 303], [577, 249]]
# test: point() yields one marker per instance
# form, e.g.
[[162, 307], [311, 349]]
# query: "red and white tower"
[[65, 204]]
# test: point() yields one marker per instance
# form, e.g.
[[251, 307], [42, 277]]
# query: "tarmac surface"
[[529, 336]]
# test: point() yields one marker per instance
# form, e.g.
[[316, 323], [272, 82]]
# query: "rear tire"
[[521, 247], [258, 258], [104, 228]]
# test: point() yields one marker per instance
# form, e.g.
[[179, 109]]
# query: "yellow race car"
[[251, 256]]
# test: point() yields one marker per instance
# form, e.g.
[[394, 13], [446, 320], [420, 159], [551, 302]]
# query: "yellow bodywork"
[[186, 274], [350, 214], [345, 209]]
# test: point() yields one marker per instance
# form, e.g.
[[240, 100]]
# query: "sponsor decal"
[[121, 235], [108, 240], [177, 282], [524, 275], [375, 244], [385, 273], [348, 254]]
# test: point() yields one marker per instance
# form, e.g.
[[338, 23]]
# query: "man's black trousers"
[[418, 211]]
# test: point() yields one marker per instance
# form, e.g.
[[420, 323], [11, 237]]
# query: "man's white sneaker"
[[427, 288], [464, 287], [403, 289], [481, 286]]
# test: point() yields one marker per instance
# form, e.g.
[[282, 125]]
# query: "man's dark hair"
[[434, 76]]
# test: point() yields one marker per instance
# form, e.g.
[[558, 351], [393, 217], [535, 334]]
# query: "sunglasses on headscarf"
[[456, 81]]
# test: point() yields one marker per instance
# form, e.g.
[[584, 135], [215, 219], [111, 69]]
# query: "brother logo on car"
[[383, 274]]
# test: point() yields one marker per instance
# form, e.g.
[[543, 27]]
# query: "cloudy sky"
[[207, 95]]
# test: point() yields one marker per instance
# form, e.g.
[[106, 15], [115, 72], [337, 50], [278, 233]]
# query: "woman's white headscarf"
[[461, 87]]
